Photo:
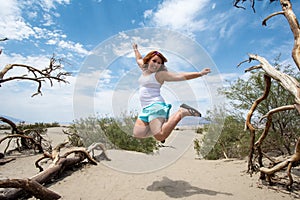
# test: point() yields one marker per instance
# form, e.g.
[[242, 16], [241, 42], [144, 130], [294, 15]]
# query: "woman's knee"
[[141, 131]]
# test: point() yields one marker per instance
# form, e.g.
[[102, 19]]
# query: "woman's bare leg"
[[141, 129], [169, 125]]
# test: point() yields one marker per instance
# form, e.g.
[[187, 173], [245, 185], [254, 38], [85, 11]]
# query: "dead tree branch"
[[237, 2], [249, 126], [58, 165], [30, 186], [11, 124], [264, 22], [287, 163], [51, 73], [269, 121], [3, 39], [289, 14], [30, 139], [295, 28], [98, 146], [291, 85], [287, 82], [33, 142]]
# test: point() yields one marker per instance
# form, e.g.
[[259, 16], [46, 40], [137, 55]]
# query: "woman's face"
[[155, 63]]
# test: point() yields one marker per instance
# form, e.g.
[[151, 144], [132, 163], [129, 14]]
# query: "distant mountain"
[[15, 120]]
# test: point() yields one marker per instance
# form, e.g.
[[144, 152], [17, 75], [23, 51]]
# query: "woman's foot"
[[189, 111]]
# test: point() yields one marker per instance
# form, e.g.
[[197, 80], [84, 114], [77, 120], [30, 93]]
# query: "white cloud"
[[148, 13], [213, 6], [75, 47], [47, 5], [54, 105], [179, 15], [48, 19], [12, 13]]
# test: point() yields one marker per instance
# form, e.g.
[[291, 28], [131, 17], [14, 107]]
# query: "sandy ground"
[[171, 173]]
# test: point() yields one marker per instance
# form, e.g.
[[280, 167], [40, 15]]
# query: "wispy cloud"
[[20, 28], [179, 15], [11, 13]]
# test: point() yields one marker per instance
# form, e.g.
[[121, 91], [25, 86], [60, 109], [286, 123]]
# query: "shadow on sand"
[[180, 189]]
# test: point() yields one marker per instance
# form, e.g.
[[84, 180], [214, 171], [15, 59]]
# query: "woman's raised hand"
[[134, 46], [205, 71]]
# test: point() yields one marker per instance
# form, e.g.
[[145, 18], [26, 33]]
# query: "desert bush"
[[119, 133], [38, 125], [233, 142], [86, 131], [113, 133]]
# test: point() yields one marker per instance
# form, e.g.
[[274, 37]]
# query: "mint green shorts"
[[155, 110]]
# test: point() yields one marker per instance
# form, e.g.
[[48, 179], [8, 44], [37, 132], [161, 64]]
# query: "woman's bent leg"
[[141, 129], [168, 126]]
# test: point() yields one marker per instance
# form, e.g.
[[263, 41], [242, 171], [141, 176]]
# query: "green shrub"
[[111, 132], [38, 125], [225, 136], [119, 134]]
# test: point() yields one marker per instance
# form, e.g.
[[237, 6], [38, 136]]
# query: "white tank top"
[[149, 90]]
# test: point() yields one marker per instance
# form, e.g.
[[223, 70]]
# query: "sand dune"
[[171, 173]]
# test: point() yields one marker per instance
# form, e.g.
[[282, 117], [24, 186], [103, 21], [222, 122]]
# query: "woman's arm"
[[138, 56], [170, 76]]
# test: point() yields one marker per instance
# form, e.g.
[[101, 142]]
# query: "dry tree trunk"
[[290, 84], [250, 127], [287, 11], [30, 186], [58, 165], [27, 142], [31, 139]]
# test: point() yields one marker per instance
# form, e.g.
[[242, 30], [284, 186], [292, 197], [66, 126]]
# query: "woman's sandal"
[[191, 110]]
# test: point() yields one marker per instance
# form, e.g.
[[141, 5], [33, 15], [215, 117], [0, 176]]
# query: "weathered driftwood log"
[[286, 163], [6, 160], [35, 145], [30, 186], [27, 141], [11, 124], [98, 146], [58, 165]]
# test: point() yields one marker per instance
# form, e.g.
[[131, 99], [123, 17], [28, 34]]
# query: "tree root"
[[287, 163]]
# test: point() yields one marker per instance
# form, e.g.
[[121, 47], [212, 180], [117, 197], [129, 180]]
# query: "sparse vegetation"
[[112, 133]]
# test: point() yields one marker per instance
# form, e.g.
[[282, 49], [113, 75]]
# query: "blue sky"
[[94, 38]]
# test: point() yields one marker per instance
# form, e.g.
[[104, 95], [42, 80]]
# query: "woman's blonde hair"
[[150, 55]]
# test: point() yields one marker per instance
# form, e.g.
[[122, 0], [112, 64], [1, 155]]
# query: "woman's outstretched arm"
[[138, 56], [171, 76]]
